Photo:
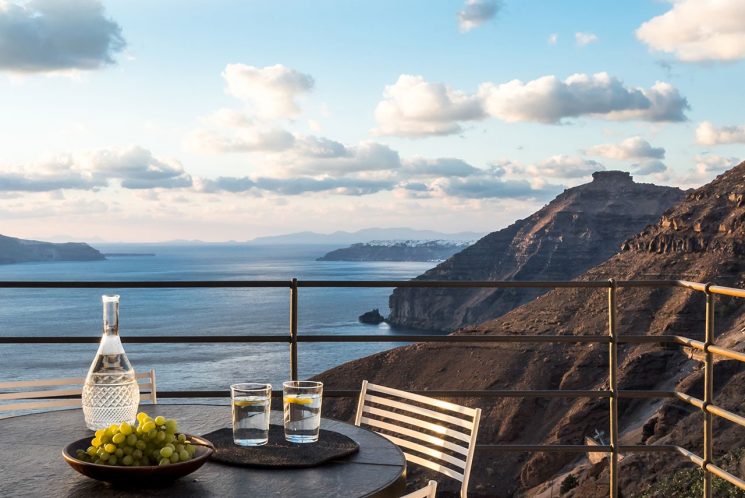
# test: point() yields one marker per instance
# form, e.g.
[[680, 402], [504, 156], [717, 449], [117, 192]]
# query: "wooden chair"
[[434, 434], [428, 491], [69, 389]]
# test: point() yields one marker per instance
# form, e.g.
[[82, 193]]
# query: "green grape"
[[152, 433], [108, 432], [119, 453], [127, 450], [141, 445], [131, 440], [148, 426], [100, 433], [114, 428], [98, 461], [112, 460], [104, 456], [145, 460], [183, 455], [179, 447], [91, 451], [174, 458], [106, 438], [160, 420], [164, 461], [141, 416], [96, 442], [166, 452], [110, 448], [118, 438], [191, 449], [137, 454], [80, 454], [161, 436], [171, 425], [182, 438], [170, 437], [127, 460]]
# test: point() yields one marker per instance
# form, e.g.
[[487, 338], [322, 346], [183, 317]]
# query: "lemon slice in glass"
[[298, 400], [249, 402]]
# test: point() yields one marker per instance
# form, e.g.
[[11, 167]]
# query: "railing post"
[[293, 329], [613, 388], [708, 391]]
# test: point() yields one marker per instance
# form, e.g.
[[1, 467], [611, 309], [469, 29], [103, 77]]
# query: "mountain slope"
[[580, 228], [699, 239], [13, 250]]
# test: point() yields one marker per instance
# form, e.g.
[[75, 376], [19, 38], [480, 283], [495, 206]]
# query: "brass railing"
[[613, 339]]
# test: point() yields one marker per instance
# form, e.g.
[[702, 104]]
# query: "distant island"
[[364, 235], [14, 250], [397, 250]]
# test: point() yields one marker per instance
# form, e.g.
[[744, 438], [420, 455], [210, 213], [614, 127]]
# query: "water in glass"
[[302, 416]]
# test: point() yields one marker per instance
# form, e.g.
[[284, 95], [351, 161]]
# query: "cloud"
[[651, 167], [553, 39], [137, 168], [413, 107], [712, 164], [584, 39], [631, 148], [249, 139], [133, 168], [295, 186], [550, 100], [442, 167], [708, 134], [48, 35], [484, 187], [270, 91], [698, 30], [476, 12], [558, 166]]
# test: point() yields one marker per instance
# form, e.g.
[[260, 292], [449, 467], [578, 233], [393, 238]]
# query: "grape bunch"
[[152, 441]]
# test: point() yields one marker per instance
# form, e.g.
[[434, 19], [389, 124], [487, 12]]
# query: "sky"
[[227, 120]]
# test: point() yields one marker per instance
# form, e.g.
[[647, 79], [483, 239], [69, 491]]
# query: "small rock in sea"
[[372, 317]]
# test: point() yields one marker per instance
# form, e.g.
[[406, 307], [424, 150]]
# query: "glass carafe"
[[110, 394]]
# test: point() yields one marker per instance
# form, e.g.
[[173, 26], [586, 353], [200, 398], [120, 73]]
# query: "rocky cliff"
[[13, 250], [582, 227], [663, 251]]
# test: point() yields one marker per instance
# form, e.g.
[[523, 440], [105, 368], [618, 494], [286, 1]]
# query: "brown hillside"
[[701, 240]]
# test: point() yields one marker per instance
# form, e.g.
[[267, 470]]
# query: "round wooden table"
[[31, 462]]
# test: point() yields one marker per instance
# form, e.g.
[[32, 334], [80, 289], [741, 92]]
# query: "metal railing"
[[613, 339]]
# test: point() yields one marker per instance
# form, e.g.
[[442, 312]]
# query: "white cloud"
[[477, 12], [698, 30], [251, 139], [584, 39], [558, 166], [549, 100], [270, 91], [553, 39], [707, 165], [133, 168], [48, 35], [708, 134], [414, 107], [631, 148]]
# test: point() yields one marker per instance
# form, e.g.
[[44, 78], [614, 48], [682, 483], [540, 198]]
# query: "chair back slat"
[[435, 434], [422, 424], [419, 411], [145, 382], [425, 450], [435, 441]]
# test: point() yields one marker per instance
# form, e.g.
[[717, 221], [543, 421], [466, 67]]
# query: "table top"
[[32, 465]]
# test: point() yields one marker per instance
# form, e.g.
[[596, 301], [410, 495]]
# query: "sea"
[[189, 312]]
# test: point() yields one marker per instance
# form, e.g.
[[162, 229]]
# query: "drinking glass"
[[302, 407], [251, 406]]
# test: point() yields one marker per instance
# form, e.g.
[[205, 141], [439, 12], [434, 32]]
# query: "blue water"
[[183, 312]]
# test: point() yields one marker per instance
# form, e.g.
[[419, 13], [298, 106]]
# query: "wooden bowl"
[[137, 475]]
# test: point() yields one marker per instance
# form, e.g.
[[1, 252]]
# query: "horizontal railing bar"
[[187, 339], [568, 448], [710, 467], [728, 353], [713, 409], [144, 284], [467, 284], [490, 393], [184, 339], [691, 285]]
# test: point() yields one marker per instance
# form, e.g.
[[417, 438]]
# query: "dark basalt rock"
[[372, 317]]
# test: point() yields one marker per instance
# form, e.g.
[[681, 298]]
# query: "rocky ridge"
[[716, 257], [580, 228], [14, 250]]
